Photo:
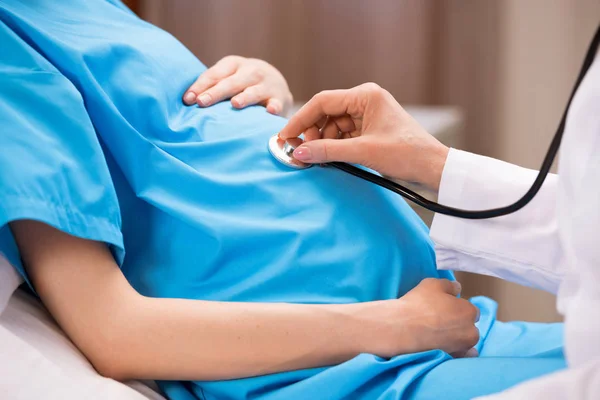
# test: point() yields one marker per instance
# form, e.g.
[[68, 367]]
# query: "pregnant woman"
[[169, 245]]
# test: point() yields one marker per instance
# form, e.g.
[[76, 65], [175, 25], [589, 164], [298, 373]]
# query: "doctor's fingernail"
[[204, 99], [302, 153], [189, 98]]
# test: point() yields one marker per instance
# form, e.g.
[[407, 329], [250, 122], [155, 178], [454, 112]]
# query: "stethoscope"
[[282, 151]]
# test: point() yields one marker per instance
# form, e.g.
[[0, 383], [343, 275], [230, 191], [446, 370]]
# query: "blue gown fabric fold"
[[96, 142]]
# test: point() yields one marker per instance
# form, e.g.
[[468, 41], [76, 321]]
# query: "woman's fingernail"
[[189, 98], [204, 99], [302, 153], [457, 287], [239, 103], [472, 353]]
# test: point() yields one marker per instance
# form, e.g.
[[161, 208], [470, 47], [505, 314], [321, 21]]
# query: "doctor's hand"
[[430, 316], [247, 81], [376, 131]]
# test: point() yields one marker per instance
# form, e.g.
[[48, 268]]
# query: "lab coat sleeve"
[[582, 383], [523, 247]]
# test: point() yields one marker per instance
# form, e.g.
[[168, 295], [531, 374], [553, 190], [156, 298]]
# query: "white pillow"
[[9, 282], [38, 361]]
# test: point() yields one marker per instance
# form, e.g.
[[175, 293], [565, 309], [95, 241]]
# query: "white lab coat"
[[553, 243]]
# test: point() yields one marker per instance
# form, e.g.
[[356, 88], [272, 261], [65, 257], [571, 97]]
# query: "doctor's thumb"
[[327, 150]]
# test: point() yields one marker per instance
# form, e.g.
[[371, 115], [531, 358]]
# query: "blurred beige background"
[[509, 65]]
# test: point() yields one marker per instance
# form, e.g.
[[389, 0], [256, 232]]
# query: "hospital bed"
[[38, 361]]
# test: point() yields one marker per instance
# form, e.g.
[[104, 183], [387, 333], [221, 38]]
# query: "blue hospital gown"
[[96, 141]]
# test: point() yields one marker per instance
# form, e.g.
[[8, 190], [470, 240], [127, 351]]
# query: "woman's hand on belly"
[[247, 81], [428, 317]]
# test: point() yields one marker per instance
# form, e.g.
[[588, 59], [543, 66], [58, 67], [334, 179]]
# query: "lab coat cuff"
[[456, 171], [503, 247], [444, 228]]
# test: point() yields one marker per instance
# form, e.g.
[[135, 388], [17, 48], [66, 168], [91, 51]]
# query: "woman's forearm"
[[198, 340]]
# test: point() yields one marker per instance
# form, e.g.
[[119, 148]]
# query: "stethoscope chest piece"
[[283, 151]]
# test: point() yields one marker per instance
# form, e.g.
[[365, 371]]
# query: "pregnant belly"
[[217, 218]]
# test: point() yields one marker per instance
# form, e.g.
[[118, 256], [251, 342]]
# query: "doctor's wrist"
[[433, 168]]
